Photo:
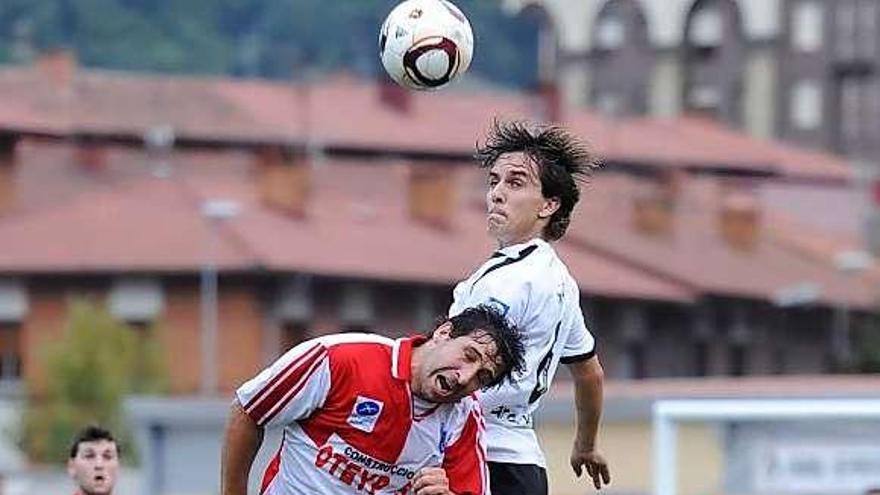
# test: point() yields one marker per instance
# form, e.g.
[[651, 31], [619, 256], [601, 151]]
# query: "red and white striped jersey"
[[351, 424]]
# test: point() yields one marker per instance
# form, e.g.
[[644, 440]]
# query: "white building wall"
[[759, 100], [665, 89]]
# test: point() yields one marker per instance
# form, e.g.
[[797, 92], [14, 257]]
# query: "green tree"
[[89, 371], [280, 39]]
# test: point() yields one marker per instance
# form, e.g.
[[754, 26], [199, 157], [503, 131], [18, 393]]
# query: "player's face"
[[517, 209], [94, 467], [455, 367]]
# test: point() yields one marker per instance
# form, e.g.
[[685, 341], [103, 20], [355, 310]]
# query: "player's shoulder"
[[356, 345], [359, 356]]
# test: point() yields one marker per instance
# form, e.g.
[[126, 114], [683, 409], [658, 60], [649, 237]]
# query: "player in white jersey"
[[366, 414], [533, 175]]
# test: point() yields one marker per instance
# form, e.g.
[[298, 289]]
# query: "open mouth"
[[444, 384], [100, 478]]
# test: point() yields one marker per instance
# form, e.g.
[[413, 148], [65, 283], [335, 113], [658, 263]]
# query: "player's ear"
[[442, 332], [549, 207]]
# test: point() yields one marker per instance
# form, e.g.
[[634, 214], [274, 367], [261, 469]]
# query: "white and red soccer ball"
[[425, 44]]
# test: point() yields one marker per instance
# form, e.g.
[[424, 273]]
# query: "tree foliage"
[[88, 372], [266, 38]]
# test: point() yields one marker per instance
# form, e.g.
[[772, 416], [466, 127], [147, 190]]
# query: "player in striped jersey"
[[366, 414]]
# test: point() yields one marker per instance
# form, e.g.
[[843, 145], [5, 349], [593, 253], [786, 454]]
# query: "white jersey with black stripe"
[[533, 288]]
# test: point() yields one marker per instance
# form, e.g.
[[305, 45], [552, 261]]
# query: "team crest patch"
[[365, 413], [501, 306]]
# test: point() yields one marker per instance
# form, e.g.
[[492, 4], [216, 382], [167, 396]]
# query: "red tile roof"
[[356, 225], [152, 225], [72, 220], [696, 255], [343, 113]]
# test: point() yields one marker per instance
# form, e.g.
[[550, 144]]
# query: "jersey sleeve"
[[290, 389], [465, 457], [581, 345]]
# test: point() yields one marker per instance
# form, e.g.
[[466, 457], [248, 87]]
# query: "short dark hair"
[[510, 349], [562, 159], [91, 433]]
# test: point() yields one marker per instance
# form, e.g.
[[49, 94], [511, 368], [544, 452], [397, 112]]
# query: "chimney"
[[654, 204], [739, 219], [7, 171], [159, 146], [394, 96], [284, 180], [432, 194], [549, 102], [58, 66]]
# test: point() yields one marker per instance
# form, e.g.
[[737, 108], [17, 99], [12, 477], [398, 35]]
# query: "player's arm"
[[588, 389], [242, 440], [288, 390]]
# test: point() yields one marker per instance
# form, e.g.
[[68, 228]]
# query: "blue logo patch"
[[365, 413], [367, 408]]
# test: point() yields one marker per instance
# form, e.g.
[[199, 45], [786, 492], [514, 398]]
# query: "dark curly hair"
[[508, 340], [90, 433], [563, 162]]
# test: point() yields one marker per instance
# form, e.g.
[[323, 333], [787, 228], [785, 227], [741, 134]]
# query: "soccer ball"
[[425, 44]]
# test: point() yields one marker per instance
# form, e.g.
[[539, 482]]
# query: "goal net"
[[774, 447]]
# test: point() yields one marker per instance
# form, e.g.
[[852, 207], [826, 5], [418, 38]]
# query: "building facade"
[[801, 70]]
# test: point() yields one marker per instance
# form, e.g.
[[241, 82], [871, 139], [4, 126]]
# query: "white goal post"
[[667, 414]]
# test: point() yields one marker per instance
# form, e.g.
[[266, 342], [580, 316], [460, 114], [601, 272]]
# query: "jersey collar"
[[514, 250], [401, 356]]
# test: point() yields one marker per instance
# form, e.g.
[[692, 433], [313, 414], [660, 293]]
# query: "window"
[[13, 300], [634, 359], [13, 310], [136, 299], [357, 311], [736, 359], [701, 358], [294, 299], [806, 29], [610, 33], [10, 350], [704, 98], [292, 334], [424, 313], [806, 105], [706, 28], [608, 103], [850, 110]]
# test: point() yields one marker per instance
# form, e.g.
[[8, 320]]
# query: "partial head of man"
[[475, 349], [94, 461], [533, 180]]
